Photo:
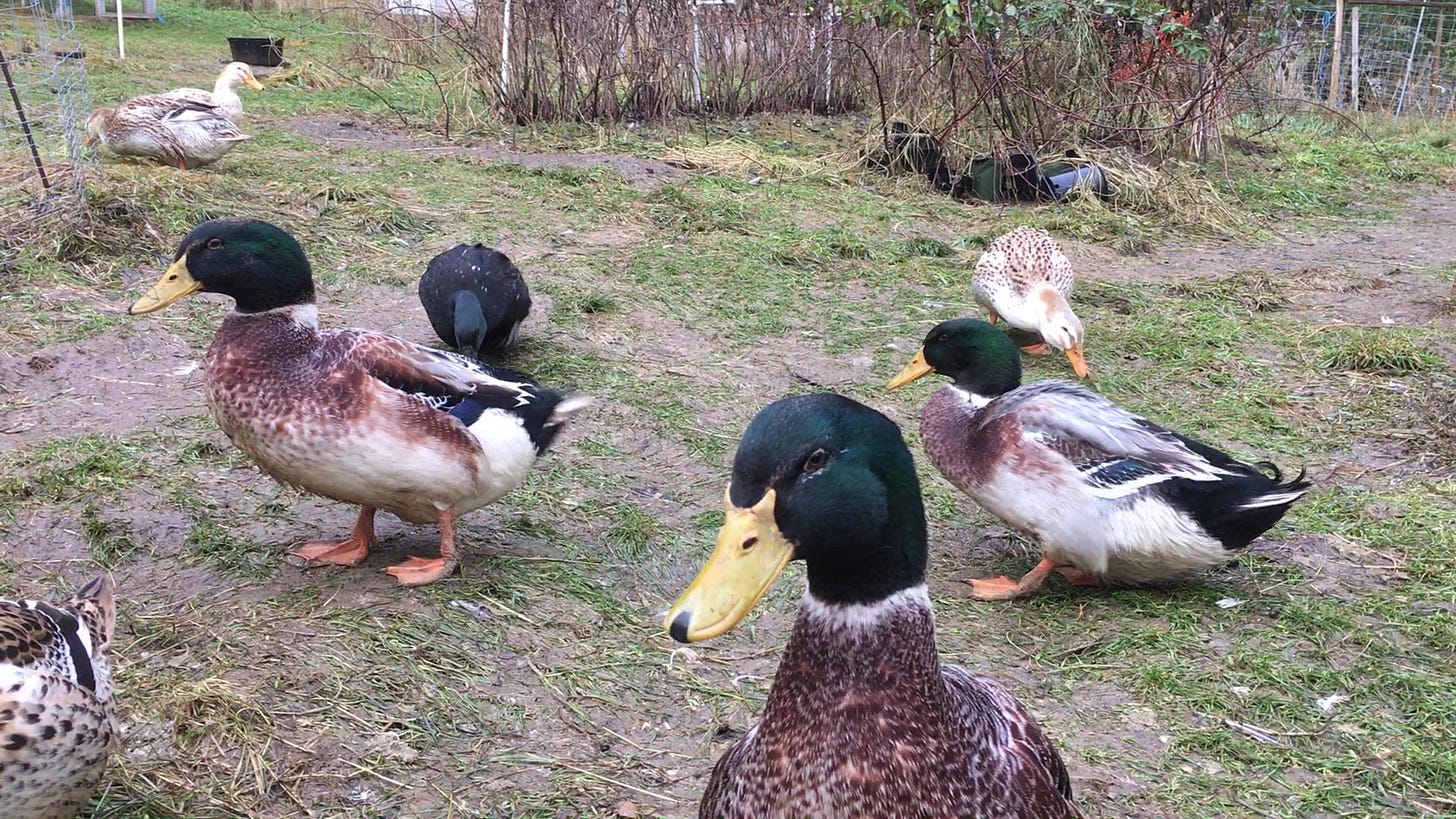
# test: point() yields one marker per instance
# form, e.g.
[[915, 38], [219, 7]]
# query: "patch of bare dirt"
[[340, 132], [1335, 566], [1368, 275], [111, 383]]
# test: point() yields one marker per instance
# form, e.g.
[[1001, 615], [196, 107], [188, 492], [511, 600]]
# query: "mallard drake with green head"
[[185, 134], [1024, 278], [354, 415], [57, 718], [1113, 498], [862, 719]]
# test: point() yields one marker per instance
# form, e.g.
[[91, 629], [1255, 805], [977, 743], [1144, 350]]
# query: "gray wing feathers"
[[1057, 410]]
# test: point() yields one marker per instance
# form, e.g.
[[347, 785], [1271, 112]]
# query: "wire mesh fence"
[[1387, 58], [44, 103]]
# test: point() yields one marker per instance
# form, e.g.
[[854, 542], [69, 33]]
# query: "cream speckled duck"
[[354, 415], [1113, 498], [181, 133], [863, 719], [57, 719], [1024, 278]]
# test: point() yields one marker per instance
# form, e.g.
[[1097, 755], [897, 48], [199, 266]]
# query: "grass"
[[1323, 168], [538, 683], [1377, 351], [1250, 291]]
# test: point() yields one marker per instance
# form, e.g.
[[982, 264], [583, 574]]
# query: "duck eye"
[[214, 243], [944, 337], [815, 461]]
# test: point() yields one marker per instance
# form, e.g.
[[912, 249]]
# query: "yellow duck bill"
[[175, 284], [917, 369], [750, 554]]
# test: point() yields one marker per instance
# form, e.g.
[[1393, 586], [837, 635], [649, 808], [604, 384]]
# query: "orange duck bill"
[[1079, 364]]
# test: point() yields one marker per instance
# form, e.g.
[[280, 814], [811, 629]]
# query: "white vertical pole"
[[120, 34], [813, 35], [505, 77], [1339, 44], [1410, 62], [697, 58], [808, 20], [828, 53], [1355, 58]]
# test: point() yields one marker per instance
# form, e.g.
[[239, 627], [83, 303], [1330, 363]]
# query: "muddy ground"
[[491, 693]]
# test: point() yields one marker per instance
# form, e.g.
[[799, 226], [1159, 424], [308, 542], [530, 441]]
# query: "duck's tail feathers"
[[1239, 507], [1281, 494], [561, 412], [568, 407]]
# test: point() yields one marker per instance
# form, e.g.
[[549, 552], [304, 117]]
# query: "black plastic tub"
[[264, 51]]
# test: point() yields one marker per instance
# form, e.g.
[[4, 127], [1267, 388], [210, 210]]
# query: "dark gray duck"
[[476, 298]]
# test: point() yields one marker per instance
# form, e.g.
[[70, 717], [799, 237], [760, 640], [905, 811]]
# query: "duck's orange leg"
[[348, 552], [420, 571], [1037, 349], [993, 318], [1004, 588]]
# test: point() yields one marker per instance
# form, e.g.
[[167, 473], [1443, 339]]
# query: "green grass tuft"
[[108, 546], [84, 468], [928, 246], [1377, 351]]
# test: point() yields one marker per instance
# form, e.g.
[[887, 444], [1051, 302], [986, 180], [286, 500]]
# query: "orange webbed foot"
[[348, 552], [1004, 588], [421, 571], [997, 588]]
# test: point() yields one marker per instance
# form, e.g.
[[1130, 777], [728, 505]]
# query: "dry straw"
[[744, 158]]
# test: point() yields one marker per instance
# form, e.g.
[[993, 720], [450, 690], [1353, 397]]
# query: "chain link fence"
[[44, 103]]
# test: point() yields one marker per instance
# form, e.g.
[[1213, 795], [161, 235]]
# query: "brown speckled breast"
[[869, 724], [301, 402]]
